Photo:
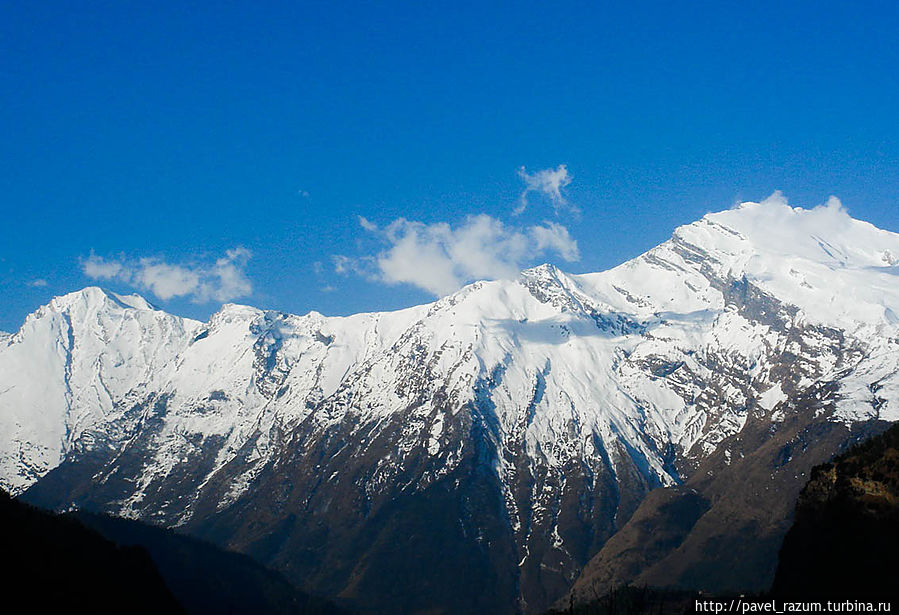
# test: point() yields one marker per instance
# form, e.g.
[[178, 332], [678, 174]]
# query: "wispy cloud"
[[554, 237], [365, 266], [440, 259], [324, 285], [38, 283], [367, 225], [222, 280], [546, 182], [98, 268]]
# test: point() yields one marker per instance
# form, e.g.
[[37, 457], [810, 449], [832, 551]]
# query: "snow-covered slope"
[[841, 272], [578, 393], [67, 370]]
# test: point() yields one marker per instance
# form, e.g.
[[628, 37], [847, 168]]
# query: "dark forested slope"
[[844, 542], [110, 565], [53, 562]]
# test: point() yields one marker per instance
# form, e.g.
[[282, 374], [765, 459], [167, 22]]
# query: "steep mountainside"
[[842, 545], [473, 453], [721, 530]]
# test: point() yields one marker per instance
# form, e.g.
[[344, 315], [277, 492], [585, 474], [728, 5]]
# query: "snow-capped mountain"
[[476, 451]]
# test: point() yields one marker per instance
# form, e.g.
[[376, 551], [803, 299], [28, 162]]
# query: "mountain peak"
[[825, 234], [542, 269], [564, 398], [96, 296], [545, 272], [236, 310]]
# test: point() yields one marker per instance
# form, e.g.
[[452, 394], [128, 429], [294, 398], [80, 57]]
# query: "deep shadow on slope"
[[206, 579], [627, 600], [842, 546], [721, 531], [54, 563], [108, 564], [844, 543]]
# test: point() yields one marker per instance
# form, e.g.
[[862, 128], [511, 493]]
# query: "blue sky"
[[199, 154]]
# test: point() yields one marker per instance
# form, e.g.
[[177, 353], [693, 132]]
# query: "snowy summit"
[[607, 384]]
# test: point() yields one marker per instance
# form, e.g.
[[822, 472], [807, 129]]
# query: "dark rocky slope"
[[110, 565], [721, 530], [54, 563], [443, 548], [844, 543]]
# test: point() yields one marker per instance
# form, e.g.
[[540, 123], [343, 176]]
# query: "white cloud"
[[223, 280], [555, 237], [367, 225], [164, 280], [441, 259], [98, 268], [228, 279], [549, 183], [342, 264], [364, 265], [38, 283]]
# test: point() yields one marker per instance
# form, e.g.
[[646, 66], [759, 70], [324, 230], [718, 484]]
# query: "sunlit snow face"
[[605, 352]]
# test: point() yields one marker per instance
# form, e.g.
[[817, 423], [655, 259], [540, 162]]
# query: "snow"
[[653, 352], [773, 396], [66, 368], [840, 271]]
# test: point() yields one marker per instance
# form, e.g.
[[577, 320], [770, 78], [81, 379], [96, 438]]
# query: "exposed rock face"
[[474, 453], [722, 529], [844, 543]]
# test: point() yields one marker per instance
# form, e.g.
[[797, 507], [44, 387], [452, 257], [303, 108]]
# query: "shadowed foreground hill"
[[58, 561], [206, 579], [844, 542], [54, 562]]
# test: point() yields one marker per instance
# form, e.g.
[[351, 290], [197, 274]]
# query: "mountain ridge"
[[541, 410]]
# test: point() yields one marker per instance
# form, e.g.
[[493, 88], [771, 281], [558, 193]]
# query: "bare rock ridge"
[[475, 453]]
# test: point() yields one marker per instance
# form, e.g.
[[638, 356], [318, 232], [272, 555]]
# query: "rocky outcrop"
[[722, 529], [844, 543]]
